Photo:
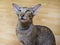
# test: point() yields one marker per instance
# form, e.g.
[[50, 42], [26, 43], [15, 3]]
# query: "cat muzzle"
[[22, 18]]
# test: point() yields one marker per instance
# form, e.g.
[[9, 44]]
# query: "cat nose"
[[22, 17]]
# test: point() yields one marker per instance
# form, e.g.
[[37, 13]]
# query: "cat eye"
[[20, 10], [27, 10]]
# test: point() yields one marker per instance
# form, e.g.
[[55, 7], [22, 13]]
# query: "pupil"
[[27, 10], [19, 10]]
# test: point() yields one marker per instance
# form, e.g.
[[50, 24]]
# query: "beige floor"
[[48, 15]]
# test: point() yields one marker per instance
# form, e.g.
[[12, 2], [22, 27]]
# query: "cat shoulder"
[[43, 28]]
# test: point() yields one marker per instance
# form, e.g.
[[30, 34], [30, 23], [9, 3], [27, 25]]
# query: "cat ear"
[[36, 8], [16, 7]]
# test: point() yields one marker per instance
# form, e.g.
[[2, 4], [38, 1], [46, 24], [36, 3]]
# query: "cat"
[[27, 32]]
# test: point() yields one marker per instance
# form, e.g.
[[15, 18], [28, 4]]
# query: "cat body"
[[27, 32]]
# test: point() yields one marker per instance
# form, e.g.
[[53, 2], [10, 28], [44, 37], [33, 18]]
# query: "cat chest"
[[27, 34]]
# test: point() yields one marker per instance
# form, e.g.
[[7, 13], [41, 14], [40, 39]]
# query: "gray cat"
[[27, 32]]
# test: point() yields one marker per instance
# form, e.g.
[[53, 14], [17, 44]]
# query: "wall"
[[48, 15]]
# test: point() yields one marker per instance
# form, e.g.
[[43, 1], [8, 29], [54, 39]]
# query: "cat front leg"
[[25, 42]]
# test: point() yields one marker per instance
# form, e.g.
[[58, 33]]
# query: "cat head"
[[26, 13]]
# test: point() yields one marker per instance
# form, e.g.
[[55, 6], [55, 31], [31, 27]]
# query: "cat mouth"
[[23, 20]]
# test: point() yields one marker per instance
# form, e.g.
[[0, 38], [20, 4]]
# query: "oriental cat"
[[27, 32]]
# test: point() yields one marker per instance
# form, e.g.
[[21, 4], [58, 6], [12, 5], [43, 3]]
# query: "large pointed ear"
[[16, 7], [36, 8]]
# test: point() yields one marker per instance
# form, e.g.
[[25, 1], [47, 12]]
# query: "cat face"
[[24, 13]]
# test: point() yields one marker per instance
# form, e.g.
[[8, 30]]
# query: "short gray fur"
[[27, 32]]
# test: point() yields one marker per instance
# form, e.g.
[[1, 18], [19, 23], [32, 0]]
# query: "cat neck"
[[24, 25]]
